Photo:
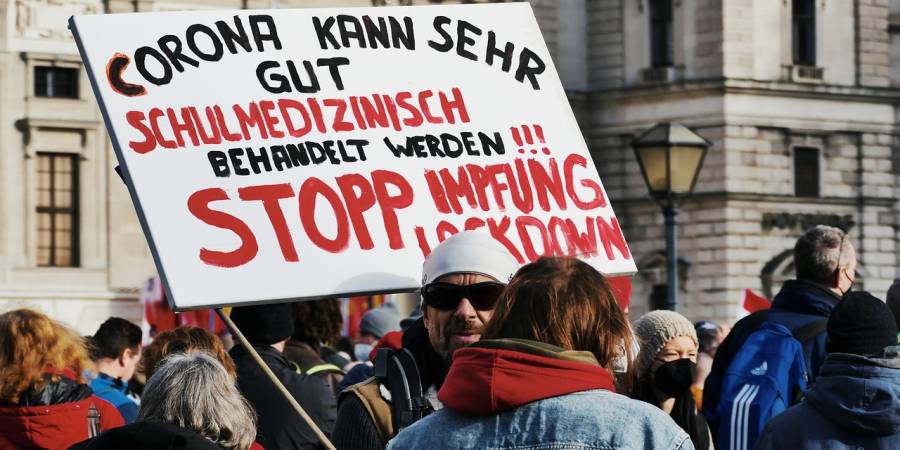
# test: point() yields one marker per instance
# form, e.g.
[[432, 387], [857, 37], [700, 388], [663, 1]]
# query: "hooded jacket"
[[854, 404], [520, 394], [54, 417], [799, 303]]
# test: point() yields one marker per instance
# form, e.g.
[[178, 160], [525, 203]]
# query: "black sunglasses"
[[446, 296]]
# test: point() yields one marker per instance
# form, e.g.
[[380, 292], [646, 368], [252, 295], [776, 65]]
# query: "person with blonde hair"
[[541, 376], [45, 401], [190, 402]]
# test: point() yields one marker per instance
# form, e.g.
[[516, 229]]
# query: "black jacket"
[[279, 426], [147, 436], [355, 429]]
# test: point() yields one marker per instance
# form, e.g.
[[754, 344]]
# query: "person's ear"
[[126, 355]]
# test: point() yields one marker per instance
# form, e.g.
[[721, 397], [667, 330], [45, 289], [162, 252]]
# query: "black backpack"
[[398, 372]]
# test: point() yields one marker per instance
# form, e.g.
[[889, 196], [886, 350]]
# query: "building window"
[[60, 82], [661, 48], [57, 210], [804, 32], [806, 172]]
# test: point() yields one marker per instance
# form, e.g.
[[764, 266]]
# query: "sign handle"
[[290, 398]]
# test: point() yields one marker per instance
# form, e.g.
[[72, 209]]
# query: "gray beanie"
[[380, 321], [654, 330]]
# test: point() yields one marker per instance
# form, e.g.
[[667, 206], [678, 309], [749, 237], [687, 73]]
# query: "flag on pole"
[[621, 287], [754, 302]]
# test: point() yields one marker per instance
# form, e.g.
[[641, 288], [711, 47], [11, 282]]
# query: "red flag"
[[754, 302], [621, 288]]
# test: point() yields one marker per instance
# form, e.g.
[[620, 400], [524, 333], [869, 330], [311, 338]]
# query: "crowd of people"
[[496, 356]]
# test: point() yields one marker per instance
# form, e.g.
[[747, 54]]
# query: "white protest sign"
[[290, 154]]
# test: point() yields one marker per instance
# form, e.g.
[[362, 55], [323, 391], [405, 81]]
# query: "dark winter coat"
[[799, 303], [279, 426], [854, 404], [148, 436], [54, 417], [308, 360]]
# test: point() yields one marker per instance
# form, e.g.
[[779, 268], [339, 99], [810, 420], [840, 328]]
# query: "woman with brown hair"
[[184, 339], [541, 373], [44, 399], [317, 325]]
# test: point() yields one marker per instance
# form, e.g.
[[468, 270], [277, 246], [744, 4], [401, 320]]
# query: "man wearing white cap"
[[462, 279]]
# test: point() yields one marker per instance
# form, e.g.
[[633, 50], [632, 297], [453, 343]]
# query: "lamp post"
[[670, 156]]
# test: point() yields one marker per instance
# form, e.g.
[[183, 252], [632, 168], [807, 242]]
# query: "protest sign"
[[289, 154]]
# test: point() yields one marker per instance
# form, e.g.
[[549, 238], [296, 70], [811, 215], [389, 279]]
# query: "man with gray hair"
[[825, 263]]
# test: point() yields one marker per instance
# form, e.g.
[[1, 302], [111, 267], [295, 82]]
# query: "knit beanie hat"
[[381, 320], [654, 330], [470, 252], [264, 324], [860, 324]]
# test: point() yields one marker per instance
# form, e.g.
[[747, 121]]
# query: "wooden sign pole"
[[262, 364]]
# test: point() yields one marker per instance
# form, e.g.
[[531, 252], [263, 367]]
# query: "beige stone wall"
[[728, 237], [606, 51], [708, 50], [873, 68]]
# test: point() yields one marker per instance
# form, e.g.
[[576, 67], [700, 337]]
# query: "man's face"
[[449, 330]]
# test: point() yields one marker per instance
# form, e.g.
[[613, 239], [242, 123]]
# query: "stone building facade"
[[799, 100], [798, 97]]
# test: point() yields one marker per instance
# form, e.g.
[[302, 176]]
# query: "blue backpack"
[[766, 376]]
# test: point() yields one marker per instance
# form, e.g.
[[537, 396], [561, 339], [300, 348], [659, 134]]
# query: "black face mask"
[[674, 378]]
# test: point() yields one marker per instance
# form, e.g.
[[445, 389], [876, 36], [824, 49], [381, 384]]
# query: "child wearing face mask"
[[665, 367]]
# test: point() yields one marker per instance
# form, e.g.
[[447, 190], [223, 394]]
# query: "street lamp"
[[670, 156]]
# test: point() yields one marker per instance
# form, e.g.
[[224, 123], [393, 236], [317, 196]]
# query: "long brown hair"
[[184, 339], [32, 345], [564, 302], [317, 322]]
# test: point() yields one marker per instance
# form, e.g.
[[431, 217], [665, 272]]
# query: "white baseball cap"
[[470, 252]]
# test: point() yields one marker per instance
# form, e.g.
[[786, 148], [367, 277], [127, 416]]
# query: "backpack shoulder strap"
[[369, 394], [397, 370], [810, 330]]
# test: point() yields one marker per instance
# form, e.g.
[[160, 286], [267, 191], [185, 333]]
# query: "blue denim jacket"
[[595, 419]]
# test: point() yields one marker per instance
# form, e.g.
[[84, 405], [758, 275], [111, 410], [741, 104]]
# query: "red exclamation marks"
[[529, 138], [540, 135], [517, 138]]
